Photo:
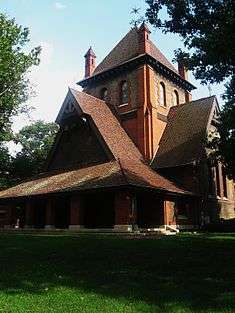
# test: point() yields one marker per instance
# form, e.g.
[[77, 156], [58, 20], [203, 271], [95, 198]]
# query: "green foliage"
[[36, 141], [225, 144], [5, 165], [207, 29], [14, 65]]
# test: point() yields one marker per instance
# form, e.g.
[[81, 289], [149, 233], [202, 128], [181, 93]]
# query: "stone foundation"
[[123, 228], [76, 227]]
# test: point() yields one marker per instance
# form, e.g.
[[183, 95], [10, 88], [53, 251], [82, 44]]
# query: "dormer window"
[[104, 94], [162, 94], [123, 92], [175, 98]]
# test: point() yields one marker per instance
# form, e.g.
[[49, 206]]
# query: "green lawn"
[[49, 273]]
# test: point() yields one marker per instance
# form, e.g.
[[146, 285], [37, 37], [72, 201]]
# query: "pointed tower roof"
[[144, 26], [90, 52], [128, 48]]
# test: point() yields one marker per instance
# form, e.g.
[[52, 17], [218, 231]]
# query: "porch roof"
[[106, 175], [126, 169]]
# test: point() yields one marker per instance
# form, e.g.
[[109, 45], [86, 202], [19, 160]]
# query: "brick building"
[[130, 153]]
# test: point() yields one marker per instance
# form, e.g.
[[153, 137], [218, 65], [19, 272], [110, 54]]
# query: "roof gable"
[[183, 140], [78, 145]]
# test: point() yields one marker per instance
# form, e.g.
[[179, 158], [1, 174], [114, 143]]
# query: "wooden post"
[[76, 213], [50, 215], [169, 214], [123, 204], [29, 214]]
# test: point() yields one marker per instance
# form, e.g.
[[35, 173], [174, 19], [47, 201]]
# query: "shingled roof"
[[120, 144], [127, 168], [183, 140], [127, 49]]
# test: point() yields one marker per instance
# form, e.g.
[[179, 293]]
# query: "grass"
[[58, 273]]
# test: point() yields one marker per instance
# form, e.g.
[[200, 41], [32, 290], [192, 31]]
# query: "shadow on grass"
[[193, 271]]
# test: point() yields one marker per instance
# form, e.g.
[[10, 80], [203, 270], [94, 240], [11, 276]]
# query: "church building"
[[130, 154]]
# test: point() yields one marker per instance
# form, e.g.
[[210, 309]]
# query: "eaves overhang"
[[134, 63]]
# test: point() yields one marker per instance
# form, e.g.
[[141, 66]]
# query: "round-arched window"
[[104, 94], [124, 92], [175, 98], [162, 94]]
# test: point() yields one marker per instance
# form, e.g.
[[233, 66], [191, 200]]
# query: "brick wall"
[[148, 124]]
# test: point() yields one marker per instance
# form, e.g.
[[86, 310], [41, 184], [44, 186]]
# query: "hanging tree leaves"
[[207, 30]]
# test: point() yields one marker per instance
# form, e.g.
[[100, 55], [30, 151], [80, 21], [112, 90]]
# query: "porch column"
[[50, 215], [10, 220], [29, 214], [169, 213], [76, 213], [124, 211]]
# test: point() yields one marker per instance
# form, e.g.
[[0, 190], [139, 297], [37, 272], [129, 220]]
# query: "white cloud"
[[59, 6]]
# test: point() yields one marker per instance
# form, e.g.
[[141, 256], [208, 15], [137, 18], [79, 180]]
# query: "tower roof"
[[127, 49], [90, 52]]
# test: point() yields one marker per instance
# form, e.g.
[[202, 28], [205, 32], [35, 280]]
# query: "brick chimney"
[[183, 71], [89, 62], [144, 42]]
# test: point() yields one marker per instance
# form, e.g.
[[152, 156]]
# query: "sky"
[[65, 29]]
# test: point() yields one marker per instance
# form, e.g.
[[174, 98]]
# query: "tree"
[[36, 141], [14, 65], [224, 145], [14, 85], [5, 165], [207, 30]]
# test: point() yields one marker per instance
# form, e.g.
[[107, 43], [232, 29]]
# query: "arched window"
[[124, 92], [104, 94], [162, 94], [175, 98]]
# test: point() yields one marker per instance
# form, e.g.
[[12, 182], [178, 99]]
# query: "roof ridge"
[[132, 30], [175, 107]]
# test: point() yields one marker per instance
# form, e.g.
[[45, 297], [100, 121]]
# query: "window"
[[175, 98], [124, 92], [104, 94], [162, 96]]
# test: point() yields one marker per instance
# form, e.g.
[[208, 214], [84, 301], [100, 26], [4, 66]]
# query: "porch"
[[116, 211]]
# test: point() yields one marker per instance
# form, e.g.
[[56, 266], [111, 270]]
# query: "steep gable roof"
[[127, 49], [183, 140], [126, 169], [119, 143]]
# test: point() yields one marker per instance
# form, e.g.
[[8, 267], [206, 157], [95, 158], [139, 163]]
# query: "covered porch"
[[122, 210]]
